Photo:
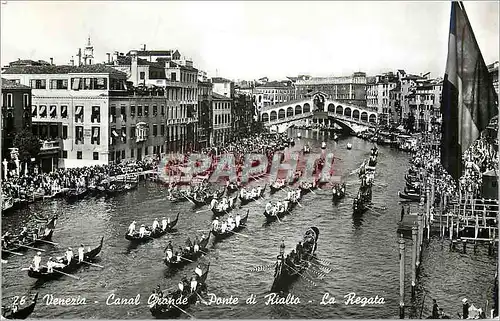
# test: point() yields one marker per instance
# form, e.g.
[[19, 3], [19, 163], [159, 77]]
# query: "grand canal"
[[363, 251]]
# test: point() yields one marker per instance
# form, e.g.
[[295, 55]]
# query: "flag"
[[469, 100]]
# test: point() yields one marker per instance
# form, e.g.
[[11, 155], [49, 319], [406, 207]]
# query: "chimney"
[[134, 69], [72, 61], [51, 61], [115, 57], [144, 48], [109, 57], [79, 56]]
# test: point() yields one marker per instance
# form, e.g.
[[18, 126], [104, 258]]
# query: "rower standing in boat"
[[215, 224], [237, 220], [194, 284], [213, 203], [24, 233], [169, 250], [155, 224], [164, 224], [69, 255], [131, 228], [81, 253], [142, 231], [189, 245], [435, 309], [282, 246], [37, 260], [198, 271], [196, 247], [181, 286], [231, 202], [50, 265]]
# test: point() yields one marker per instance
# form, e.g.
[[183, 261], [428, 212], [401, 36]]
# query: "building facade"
[[493, 70], [222, 86], [378, 96], [205, 114], [221, 119], [16, 111], [349, 90], [273, 92], [243, 114]]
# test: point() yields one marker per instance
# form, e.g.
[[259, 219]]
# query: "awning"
[[76, 84], [96, 132], [78, 110], [114, 133], [64, 109], [124, 134], [52, 109], [33, 109], [42, 109], [141, 124]]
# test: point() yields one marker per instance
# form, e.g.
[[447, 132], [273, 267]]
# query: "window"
[[124, 134], [146, 150], [53, 112], [79, 155], [38, 84], [163, 110], [95, 155], [9, 100], [123, 154], [146, 111], [79, 114], [123, 114], [43, 111], [132, 132], [173, 77], [65, 132], [79, 135], [131, 152], [59, 84], [112, 114], [139, 111], [34, 110], [155, 110], [64, 154], [142, 75], [132, 111], [26, 100], [96, 114], [96, 136], [76, 83], [162, 130], [64, 111], [155, 130]]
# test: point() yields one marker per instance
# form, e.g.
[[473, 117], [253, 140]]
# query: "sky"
[[253, 39]]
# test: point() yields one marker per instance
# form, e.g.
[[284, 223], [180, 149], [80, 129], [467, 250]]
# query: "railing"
[[48, 146], [309, 114]]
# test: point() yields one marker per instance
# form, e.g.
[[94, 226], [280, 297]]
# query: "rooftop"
[[220, 80], [220, 97], [281, 84], [127, 61], [10, 84], [155, 52], [64, 69]]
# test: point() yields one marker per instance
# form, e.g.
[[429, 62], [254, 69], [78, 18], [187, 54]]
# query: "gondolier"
[[131, 228], [37, 260], [81, 253], [164, 223], [194, 284], [155, 224], [142, 231], [69, 255], [198, 271]]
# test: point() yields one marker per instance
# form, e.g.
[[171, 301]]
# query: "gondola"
[[246, 200], [121, 189], [22, 313], [338, 191], [74, 265], [306, 149], [349, 146], [217, 210], [76, 193], [290, 268], [323, 145], [7, 203], [409, 196], [287, 208], [174, 264], [359, 206], [307, 187], [232, 187], [274, 187], [46, 236], [218, 235], [206, 198], [165, 309], [153, 234]]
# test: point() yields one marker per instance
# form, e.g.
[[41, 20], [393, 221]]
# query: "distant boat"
[[299, 135], [349, 146], [335, 137], [323, 145]]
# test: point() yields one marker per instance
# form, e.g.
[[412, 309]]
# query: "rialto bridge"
[[318, 110]]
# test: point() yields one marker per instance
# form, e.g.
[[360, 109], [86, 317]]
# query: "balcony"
[[50, 147]]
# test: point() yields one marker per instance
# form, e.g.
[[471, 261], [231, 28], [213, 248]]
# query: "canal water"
[[363, 252]]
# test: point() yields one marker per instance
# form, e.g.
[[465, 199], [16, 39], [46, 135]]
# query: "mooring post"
[[464, 244], [428, 211], [401, 277], [414, 235], [420, 237]]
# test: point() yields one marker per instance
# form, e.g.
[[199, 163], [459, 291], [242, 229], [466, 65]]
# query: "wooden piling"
[[401, 277], [419, 237], [414, 237], [464, 244]]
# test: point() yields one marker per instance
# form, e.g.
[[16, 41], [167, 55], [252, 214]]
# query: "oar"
[[261, 268], [188, 199], [66, 274], [4, 261], [187, 259], [325, 262], [202, 300], [238, 233], [183, 311], [49, 242], [33, 248], [200, 211], [312, 282], [93, 264], [312, 191], [15, 253]]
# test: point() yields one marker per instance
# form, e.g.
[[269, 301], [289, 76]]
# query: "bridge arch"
[[331, 108], [355, 114], [274, 115], [364, 116], [307, 108], [281, 113], [298, 110], [265, 117], [373, 119], [339, 110], [289, 112], [347, 112]]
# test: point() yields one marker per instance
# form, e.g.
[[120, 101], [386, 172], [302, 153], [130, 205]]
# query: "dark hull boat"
[[166, 310], [247, 200], [338, 192], [288, 271], [122, 189], [24, 312], [74, 265], [46, 236], [76, 194], [410, 196], [232, 187], [153, 234], [359, 206], [276, 187], [271, 217], [206, 198], [218, 236], [218, 211], [173, 264]]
